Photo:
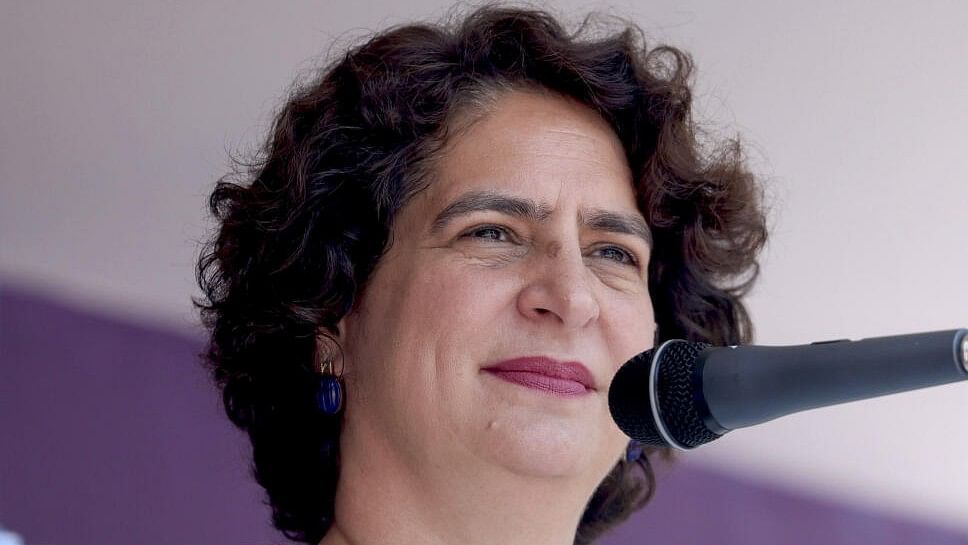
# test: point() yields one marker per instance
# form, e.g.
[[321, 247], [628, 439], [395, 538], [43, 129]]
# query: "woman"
[[456, 235]]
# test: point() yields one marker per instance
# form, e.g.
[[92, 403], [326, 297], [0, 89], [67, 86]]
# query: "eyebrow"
[[595, 219], [616, 222]]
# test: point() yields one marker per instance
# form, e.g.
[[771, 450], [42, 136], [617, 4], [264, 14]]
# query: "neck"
[[382, 500]]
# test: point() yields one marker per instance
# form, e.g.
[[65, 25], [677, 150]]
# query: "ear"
[[329, 343], [335, 342]]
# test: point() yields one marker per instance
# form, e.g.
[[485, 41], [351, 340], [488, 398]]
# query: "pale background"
[[117, 118]]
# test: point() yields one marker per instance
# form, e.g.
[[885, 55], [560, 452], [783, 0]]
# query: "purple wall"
[[697, 506], [112, 435]]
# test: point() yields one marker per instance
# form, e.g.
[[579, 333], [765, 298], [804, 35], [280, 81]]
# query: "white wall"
[[116, 119]]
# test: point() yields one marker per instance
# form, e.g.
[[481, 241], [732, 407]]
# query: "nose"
[[559, 289]]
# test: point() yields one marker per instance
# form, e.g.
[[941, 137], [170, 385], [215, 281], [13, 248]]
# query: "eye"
[[618, 254], [491, 232]]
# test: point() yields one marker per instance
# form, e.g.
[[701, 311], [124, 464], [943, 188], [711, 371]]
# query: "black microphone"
[[684, 394]]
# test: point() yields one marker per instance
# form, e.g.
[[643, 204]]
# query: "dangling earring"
[[329, 394], [633, 451]]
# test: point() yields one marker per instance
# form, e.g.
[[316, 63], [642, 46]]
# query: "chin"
[[544, 452]]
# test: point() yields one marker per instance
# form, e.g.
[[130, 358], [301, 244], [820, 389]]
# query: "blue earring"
[[329, 394], [633, 451]]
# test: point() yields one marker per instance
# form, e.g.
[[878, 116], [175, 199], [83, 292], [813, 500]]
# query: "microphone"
[[684, 394]]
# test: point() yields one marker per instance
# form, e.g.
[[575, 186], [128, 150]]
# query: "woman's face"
[[528, 243]]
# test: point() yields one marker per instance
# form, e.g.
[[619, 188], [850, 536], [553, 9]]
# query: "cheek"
[[453, 297], [436, 314], [631, 329]]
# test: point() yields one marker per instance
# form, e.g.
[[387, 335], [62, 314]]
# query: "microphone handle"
[[747, 385]]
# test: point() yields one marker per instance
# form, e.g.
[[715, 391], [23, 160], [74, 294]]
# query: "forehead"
[[541, 146]]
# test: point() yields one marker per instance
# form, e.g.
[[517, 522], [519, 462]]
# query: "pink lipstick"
[[568, 378]]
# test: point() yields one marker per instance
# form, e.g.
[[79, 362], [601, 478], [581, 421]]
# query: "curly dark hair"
[[303, 225]]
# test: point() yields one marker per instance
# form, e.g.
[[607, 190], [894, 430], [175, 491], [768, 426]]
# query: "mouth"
[[563, 378]]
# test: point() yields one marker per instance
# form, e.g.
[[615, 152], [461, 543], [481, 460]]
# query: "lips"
[[543, 373]]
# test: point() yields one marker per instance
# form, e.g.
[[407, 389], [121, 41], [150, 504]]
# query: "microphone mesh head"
[[628, 401], [678, 391]]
